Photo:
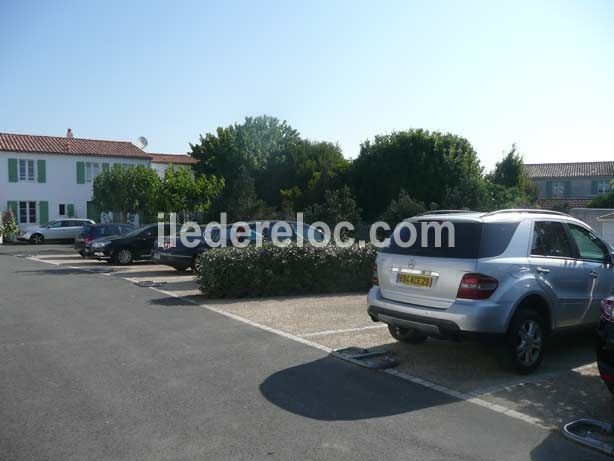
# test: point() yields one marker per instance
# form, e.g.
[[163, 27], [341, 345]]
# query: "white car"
[[62, 229]]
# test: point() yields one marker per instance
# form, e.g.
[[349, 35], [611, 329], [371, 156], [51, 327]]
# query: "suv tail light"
[[607, 309], [476, 286], [87, 239], [374, 277]]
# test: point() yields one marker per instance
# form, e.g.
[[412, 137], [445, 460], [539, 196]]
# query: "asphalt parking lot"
[[566, 387]]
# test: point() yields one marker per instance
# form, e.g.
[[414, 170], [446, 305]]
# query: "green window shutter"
[[42, 170], [548, 189], [12, 170], [80, 173], [567, 189], [593, 187], [12, 205], [43, 213], [70, 210], [92, 212]]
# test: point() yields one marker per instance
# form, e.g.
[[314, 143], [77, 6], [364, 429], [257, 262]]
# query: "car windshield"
[[136, 232]]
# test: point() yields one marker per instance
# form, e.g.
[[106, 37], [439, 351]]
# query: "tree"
[[401, 208], [238, 153], [299, 175], [339, 205], [426, 164], [127, 190], [510, 172], [182, 192]]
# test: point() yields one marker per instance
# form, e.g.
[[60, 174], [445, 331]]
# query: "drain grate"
[[377, 360], [594, 434]]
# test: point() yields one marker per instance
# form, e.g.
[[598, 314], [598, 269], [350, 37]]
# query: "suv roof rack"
[[527, 210], [445, 212]]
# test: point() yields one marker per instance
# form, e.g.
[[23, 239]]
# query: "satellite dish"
[[141, 142]]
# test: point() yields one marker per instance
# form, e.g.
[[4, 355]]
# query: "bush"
[[273, 271]]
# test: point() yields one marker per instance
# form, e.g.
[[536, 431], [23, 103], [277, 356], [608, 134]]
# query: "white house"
[[161, 162], [43, 178]]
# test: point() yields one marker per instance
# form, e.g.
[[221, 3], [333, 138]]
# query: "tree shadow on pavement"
[[331, 390]]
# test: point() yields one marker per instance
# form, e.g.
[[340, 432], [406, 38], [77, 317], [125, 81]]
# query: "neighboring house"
[[43, 178], [570, 184], [160, 162]]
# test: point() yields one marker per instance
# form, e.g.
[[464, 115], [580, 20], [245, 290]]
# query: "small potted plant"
[[8, 227]]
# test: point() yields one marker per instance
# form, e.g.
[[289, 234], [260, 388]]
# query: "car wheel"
[[523, 350], [123, 257], [407, 335], [37, 239], [82, 254], [197, 264]]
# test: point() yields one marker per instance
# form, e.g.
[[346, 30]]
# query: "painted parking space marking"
[[320, 338], [346, 330]]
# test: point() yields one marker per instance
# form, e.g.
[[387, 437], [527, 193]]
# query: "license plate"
[[416, 280], [99, 253], [156, 256]]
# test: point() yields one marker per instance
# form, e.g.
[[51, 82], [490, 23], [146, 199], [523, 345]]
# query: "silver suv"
[[516, 275]]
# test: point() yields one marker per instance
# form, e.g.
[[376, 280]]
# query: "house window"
[[603, 187], [91, 171], [62, 209], [26, 170], [558, 189], [27, 212]]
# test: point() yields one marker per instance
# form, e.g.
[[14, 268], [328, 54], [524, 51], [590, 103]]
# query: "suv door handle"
[[542, 270], [593, 274]]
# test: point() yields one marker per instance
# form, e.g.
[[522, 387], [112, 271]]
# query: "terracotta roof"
[[177, 159], [569, 170], [69, 146]]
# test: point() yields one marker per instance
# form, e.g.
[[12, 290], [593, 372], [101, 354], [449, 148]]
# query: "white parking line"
[[462, 396], [347, 330]]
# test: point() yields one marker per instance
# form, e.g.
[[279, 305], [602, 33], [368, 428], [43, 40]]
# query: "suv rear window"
[[472, 240]]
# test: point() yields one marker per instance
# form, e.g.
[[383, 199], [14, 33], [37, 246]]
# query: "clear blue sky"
[[540, 74]]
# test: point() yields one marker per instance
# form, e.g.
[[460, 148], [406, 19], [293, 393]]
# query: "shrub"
[[273, 271]]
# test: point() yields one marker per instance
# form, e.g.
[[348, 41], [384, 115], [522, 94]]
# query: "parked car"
[[61, 229], [514, 275], [91, 232], [605, 343], [123, 249], [182, 257]]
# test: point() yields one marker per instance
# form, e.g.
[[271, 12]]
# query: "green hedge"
[[273, 271]]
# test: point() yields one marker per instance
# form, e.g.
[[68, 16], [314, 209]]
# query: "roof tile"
[[569, 170], [69, 146]]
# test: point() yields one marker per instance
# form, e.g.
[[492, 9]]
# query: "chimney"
[[69, 133]]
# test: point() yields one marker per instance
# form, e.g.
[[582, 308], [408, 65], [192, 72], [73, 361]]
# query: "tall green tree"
[[429, 165], [239, 153], [299, 175], [127, 190], [510, 171], [182, 192]]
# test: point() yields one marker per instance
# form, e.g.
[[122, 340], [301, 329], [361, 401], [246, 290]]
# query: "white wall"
[[162, 167], [61, 182]]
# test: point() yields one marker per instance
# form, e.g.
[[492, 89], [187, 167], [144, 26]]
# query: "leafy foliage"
[[428, 164], [401, 208], [510, 171], [339, 205], [273, 271], [182, 191], [140, 190], [8, 224], [127, 190], [603, 201]]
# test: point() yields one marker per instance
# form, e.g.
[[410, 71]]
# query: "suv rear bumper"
[[461, 319]]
